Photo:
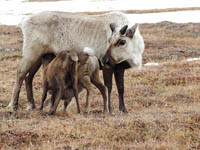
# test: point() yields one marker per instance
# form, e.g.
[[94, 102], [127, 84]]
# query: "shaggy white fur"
[[89, 51]]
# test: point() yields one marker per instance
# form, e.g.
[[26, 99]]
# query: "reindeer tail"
[[89, 51]]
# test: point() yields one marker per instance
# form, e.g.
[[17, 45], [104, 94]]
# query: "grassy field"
[[163, 101]]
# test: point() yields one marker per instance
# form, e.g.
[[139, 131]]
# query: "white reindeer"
[[51, 32]]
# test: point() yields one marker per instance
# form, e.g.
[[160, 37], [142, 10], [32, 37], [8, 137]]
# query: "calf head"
[[72, 57], [68, 62], [126, 45], [83, 58], [47, 58], [71, 66]]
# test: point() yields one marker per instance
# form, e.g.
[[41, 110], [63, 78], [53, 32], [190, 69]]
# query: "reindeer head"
[[126, 44]]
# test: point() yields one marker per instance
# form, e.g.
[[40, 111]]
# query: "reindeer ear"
[[130, 32], [112, 27], [123, 30]]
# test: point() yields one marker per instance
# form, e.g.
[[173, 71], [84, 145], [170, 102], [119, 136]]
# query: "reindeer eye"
[[122, 42]]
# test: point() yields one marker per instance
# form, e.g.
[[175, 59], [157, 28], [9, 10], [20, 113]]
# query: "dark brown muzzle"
[[107, 60]]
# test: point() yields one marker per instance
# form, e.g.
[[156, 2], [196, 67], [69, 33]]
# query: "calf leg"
[[70, 95], [66, 103], [85, 81], [74, 75], [44, 94], [58, 96], [29, 86], [107, 76], [119, 79], [104, 92], [52, 99]]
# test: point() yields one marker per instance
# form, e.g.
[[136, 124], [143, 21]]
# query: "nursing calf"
[[59, 75], [65, 72]]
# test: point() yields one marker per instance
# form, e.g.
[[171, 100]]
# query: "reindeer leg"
[[104, 91], [58, 96], [32, 54], [70, 96], [52, 99], [74, 75], [76, 97], [119, 79], [85, 81], [25, 66], [44, 94], [29, 86], [107, 76], [66, 103], [87, 106]]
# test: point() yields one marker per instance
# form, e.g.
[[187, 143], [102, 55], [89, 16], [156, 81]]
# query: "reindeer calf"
[[88, 71], [59, 74]]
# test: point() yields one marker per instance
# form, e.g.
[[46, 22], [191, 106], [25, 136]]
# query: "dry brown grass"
[[163, 101], [163, 104], [167, 40], [10, 38]]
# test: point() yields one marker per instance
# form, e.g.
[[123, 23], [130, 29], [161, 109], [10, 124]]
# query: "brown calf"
[[88, 71], [59, 75]]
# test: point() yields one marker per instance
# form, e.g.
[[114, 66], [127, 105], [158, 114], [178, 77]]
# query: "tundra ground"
[[163, 101]]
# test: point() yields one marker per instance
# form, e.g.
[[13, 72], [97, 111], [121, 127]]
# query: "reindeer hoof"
[[15, 107], [33, 107], [87, 111], [41, 108], [51, 112], [124, 110], [10, 105], [28, 108], [109, 111], [106, 111]]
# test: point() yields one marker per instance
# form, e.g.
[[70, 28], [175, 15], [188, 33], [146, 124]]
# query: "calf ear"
[[130, 32], [74, 57], [123, 30], [112, 27]]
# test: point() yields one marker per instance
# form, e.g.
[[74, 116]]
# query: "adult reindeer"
[[50, 32]]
